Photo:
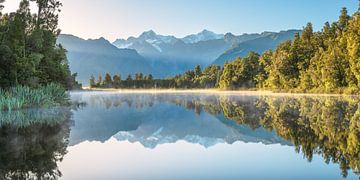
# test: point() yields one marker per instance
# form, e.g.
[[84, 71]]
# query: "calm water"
[[184, 136]]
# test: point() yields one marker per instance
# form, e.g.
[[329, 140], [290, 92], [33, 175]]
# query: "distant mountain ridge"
[[204, 47], [171, 55], [160, 55], [260, 44], [99, 56]]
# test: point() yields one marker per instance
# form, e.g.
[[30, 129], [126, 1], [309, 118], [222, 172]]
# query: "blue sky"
[[123, 18]]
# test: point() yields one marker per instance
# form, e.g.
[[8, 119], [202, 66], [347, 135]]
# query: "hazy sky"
[[123, 18]]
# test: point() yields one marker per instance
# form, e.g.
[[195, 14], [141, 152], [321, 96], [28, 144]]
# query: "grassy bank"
[[22, 97]]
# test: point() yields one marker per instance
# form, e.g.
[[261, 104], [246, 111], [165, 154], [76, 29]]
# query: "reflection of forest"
[[328, 126], [33, 142]]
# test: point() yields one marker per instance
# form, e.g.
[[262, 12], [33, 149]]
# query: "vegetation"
[[316, 62], [34, 71], [139, 81], [191, 79], [29, 55], [324, 62], [21, 97]]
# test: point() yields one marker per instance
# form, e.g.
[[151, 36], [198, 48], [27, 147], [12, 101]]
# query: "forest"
[[327, 61], [29, 54], [34, 69]]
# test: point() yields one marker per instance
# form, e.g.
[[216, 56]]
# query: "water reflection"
[[32, 142], [326, 126]]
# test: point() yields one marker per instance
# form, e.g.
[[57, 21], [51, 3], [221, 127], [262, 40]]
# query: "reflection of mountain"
[[99, 124], [160, 122]]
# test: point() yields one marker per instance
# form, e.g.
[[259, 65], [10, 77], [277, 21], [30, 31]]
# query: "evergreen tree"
[[150, 77], [352, 39], [92, 81], [108, 81], [117, 81], [343, 19], [226, 79], [129, 78], [197, 71], [99, 81], [263, 73]]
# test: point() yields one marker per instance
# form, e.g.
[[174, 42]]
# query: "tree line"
[[29, 55], [190, 79], [327, 61], [131, 82]]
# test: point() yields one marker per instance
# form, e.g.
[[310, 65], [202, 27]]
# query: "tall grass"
[[22, 97]]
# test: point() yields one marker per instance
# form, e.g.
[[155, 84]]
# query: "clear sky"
[[123, 18]]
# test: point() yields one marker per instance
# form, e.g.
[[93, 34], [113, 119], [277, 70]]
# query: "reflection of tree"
[[329, 126], [32, 150]]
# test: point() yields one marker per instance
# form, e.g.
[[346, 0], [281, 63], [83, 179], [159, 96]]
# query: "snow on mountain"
[[204, 35], [149, 37]]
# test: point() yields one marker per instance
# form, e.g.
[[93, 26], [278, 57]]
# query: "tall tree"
[[117, 80], [343, 19], [108, 81], [99, 82], [352, 39], [92, 81]]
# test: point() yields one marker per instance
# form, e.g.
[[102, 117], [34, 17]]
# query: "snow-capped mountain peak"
[[158, 42], [148, 35], [204, 35]]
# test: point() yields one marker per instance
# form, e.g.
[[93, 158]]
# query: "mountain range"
[[163, 55]]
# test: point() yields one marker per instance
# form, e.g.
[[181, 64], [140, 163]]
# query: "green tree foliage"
[[99, 82], [325, 61], [29, 53], [108, 81], [117, 81], [92, 81], [241, 72], [264, 68], [335, 64], [352, 40]]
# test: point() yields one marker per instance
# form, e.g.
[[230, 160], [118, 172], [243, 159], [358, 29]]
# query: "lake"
[[184, 136]]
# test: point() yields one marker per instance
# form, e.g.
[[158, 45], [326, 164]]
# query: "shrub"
[[21, 97]]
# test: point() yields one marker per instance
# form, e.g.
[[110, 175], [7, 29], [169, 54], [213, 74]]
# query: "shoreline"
[[213, 91]]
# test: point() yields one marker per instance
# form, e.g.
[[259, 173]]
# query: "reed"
[[22, 97]]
